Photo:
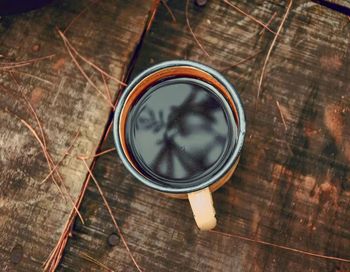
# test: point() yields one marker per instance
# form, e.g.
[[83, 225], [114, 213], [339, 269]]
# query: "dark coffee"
[[180, 132]]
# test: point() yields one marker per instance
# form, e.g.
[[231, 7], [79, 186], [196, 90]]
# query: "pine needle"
[[271, 47], [43, 145], [98, 154], [249, 16], [108, 130], [268, 23], [53, 259], [92, 260], [151, 18], [89, 61], [31, 129], [80, 14], [303, 252], [242, 61], [282, 116], [11, 65], [112, 217], [108, 91], [46, 155], [81, 69], [190, 29], [65, 154], [32, 76], [164, 2]]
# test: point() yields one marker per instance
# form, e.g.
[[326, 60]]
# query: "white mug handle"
[[203, 209]]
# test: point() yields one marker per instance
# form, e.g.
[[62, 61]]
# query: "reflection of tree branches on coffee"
[[169, 152], [148, 120], [204, 109], [177, 125], [192, 163]]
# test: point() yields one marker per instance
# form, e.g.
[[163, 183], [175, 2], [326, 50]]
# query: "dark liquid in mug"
[[179, 132]]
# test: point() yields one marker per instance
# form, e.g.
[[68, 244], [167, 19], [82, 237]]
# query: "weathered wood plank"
[[292, 186], [32, 215]]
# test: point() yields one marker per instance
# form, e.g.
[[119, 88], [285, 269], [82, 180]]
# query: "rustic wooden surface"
[[32, 216], [292, 186]]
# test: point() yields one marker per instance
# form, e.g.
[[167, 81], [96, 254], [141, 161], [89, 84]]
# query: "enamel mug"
[[179, 129]]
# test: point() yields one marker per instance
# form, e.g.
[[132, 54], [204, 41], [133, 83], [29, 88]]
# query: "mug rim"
[[241, 126]]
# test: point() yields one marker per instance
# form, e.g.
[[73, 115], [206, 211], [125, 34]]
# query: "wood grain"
[[32, 215], [291, 188]]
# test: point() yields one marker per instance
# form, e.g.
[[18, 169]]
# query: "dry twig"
[[249, 16], [272, 45], [190, 28], [112, 216], [303, 252]]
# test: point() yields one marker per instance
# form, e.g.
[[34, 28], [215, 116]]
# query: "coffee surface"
[[179, 132]]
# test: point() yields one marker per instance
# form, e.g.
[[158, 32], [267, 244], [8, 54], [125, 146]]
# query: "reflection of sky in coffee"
[[178, 131]]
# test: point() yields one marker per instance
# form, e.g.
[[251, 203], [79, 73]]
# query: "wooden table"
[[33, 214], [291, 192]]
